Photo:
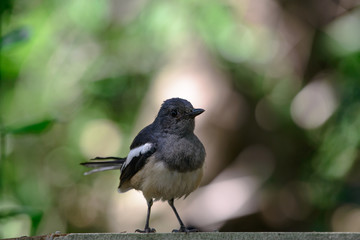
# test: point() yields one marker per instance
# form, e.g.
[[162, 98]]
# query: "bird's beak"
[[195, 112]]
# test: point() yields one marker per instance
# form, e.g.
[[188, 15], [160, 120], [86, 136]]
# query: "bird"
[[165, 161]]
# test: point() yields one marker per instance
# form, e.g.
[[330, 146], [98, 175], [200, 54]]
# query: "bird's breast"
[[158, 182], [183, 154]]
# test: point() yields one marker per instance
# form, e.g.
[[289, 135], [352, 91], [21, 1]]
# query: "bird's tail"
[[103, 164]]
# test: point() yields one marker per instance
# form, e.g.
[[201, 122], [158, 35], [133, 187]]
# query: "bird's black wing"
[[142, 147], [146, 135]]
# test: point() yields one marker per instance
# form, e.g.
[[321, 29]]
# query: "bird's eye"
[[174, 113]]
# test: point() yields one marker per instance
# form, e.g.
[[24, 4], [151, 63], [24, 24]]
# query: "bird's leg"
[[147, 229], [182, 226]]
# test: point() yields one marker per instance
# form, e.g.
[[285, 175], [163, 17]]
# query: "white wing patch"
[[136, 152]]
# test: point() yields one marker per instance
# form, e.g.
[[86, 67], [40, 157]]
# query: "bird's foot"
[[146, 230], [185, 230]]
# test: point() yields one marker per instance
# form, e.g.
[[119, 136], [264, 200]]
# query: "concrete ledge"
[[204, 235]]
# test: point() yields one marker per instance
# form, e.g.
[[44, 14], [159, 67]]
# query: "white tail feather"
[[101, 169]]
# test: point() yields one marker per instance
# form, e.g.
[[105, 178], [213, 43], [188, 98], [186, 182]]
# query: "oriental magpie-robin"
[[165, 159]]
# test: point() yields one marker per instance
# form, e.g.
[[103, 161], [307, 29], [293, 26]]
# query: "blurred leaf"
[[10, 213], [33, 128], [6, 5], [18, 35], [34, 214], [6, 213]]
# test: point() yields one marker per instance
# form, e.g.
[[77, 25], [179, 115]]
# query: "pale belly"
[[159, 183]]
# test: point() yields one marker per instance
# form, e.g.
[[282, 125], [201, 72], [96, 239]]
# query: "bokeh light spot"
[[100, 137], [346, 219], [313, 105], [346, 32]]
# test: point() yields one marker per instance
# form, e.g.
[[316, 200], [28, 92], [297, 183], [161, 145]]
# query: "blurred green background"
[[280, 82]]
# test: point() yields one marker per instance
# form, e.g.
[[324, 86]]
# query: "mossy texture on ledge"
[[209, 236]]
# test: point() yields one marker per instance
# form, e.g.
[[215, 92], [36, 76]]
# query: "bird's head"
[[176, 116]]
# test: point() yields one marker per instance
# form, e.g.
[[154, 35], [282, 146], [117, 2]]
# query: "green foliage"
[[66, 66], [16, 36], [33, 128]]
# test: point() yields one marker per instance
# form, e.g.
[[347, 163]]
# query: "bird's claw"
[[146, 230], [185, 230]]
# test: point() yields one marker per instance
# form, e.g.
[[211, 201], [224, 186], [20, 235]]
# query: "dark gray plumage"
[[165, 159]]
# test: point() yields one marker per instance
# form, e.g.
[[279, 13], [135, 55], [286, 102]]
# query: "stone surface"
[[210, 236], [203, 235]]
